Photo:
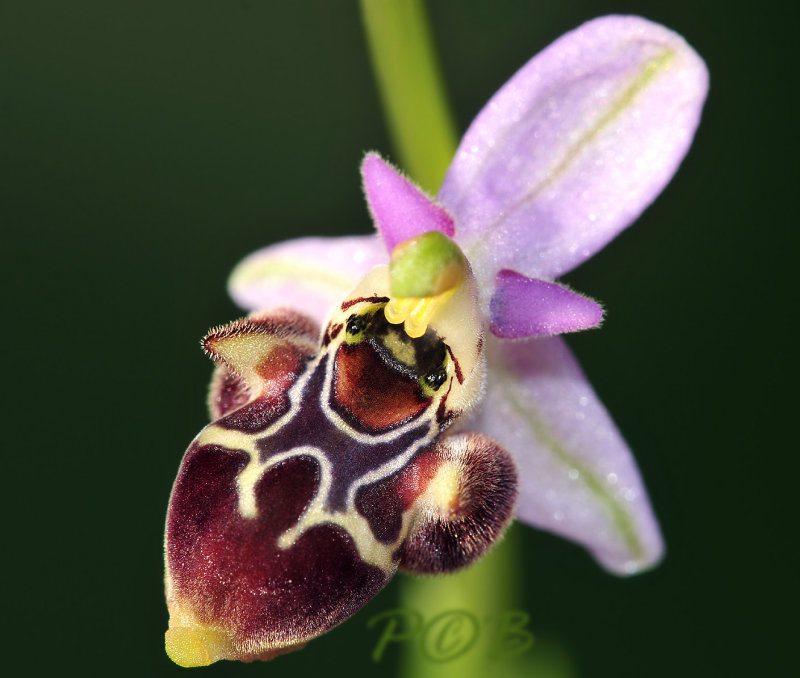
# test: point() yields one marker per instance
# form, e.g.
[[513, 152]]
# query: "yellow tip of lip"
[[188, 648]]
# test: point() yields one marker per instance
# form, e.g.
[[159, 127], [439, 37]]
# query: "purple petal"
[[574, 147], [400, 209], [309, 275], [577, 475], [528, 307]]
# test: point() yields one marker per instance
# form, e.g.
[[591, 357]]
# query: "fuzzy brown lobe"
[[488, 492]]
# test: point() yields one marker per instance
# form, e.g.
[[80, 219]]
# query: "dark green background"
[[146, 146]]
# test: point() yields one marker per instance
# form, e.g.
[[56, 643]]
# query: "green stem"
[[486, 591], [421, 124], [410, 83]]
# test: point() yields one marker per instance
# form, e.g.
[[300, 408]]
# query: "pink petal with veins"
[[574, 147]]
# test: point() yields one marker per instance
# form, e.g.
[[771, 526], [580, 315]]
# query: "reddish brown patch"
[[227, 392], [372, 393], [278, 371], [292, 335], [280, 368]]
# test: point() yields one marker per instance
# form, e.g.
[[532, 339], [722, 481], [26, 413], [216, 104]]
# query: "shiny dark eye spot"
[[356, 324], [435, 379]]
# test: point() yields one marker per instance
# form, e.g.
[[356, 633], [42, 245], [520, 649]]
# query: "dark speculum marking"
[[350, 457]]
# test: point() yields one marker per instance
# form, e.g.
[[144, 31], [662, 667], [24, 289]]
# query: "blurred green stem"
[[411, 87], [421, 124]]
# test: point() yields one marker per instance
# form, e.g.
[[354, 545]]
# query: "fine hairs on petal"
[[400, 209], [528, 307]]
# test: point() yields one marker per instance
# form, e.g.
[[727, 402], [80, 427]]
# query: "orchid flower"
[[561, 159], [327, 465]]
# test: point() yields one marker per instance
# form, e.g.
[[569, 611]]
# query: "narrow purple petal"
[[577, 476], [574, 147], [400, 209], [309, 275], [528, 307]]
